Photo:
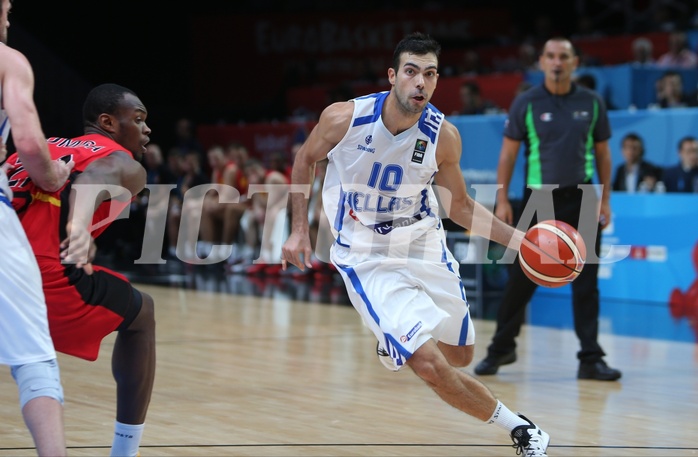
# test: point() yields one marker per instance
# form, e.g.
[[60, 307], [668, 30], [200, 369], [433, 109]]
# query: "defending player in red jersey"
[[85, 302]]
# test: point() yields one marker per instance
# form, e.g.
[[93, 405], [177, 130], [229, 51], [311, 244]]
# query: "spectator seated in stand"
[[220, 222], [265, 223], [185, 138], [635, 174], [472, 101], [679, 54], [643, 52], [683, 177], [670, 93], [237, 154], [180, 213], [146, 203]]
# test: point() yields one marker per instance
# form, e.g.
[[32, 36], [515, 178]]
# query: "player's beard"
[[406, 103]]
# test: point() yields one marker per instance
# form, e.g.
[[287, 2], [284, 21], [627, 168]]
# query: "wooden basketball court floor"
[[245, 375]]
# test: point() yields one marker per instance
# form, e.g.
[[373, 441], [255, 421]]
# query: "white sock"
[[504, 418], [127, 439]]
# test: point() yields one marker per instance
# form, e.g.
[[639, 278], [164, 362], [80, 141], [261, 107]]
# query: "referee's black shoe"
[[597, 370], [491, 364]]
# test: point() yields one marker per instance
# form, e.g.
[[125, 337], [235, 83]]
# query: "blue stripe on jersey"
[[396, 346], [377, 108], [339, 242], [392, 349], [341, 204], [464, 327], [5, 200], [462, 338], [430, 121], [444, 259], [424, 207], [425, 198], [2, 128], [359, 289], [339, 218]]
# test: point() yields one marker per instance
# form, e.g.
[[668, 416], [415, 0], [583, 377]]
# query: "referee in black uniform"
[[565, 131]]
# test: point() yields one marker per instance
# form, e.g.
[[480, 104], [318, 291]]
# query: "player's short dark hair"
[[416, 43], [105, 98]]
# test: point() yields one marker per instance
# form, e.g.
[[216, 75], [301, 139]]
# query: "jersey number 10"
[[388, 178]]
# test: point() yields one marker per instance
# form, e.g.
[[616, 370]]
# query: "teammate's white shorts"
[[24, 333], [408, 294]]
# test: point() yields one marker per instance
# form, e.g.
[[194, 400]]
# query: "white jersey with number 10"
[[378, 185]]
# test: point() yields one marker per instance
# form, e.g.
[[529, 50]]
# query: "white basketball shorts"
[[407, 294]]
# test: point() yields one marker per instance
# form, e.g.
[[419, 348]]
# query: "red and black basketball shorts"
[[83, 309]]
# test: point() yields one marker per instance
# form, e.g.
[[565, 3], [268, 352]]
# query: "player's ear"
[[107, 122]]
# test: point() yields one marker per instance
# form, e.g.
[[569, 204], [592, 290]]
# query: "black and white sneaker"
[[529, 440], [385, 358]]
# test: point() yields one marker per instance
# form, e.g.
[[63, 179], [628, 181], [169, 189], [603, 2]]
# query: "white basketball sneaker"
[[385, 358], [529, 440]]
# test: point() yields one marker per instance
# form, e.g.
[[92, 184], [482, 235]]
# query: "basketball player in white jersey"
[[385, 151], [25, 342]]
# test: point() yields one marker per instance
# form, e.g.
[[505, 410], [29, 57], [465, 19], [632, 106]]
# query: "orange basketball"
[[552, 253]]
